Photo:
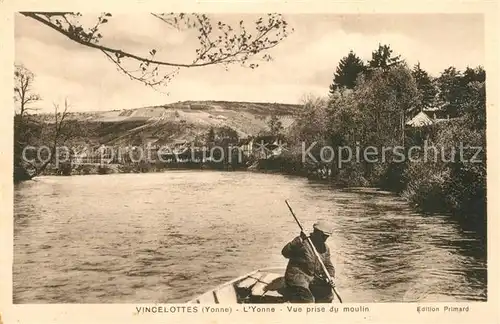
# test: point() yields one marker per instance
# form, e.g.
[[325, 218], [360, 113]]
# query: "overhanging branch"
[[219, 43], [122, 53]]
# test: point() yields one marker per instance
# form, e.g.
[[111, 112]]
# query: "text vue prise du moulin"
[[250, 309]]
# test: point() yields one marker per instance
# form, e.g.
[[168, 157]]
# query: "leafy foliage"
[[426, 88], [374, 112], [348, 70], [211, 135], [383, 58], [226, 135], [275, 125], [460, 93]]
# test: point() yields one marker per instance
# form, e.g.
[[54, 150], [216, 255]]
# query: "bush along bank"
[[441, 164], [454, 185]]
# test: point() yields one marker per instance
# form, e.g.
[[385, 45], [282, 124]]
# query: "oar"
[[315, 253]]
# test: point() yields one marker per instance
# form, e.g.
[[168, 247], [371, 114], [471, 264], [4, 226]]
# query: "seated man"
[[304, 277]]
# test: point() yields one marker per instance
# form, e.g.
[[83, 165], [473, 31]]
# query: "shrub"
[[103, 169], [427, 187]]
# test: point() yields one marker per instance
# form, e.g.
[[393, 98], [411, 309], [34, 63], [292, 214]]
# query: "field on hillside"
[[183, 121]]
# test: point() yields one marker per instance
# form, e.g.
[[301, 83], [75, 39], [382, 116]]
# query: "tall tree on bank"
[[456, 88], [24, 96], [27, 130], [347, 72], [477, 74], [426, 89], [450, 86], [219, 43], [383, 58], [23, 90], [384, 101], [472, 102]]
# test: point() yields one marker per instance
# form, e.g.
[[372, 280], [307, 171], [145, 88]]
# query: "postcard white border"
[[485, 312]]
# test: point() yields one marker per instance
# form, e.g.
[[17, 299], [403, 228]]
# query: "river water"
[[165, 237]]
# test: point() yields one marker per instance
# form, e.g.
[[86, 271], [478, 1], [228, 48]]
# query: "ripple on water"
[[200, 229]]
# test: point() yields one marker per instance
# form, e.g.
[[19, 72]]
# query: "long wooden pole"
[[327, 274]]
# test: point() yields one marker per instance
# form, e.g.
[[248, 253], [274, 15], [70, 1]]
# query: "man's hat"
[[324, 227]]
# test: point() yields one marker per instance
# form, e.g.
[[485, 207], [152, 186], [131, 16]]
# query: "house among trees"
[[437, 113], [91, 155], [266, 146], [246, 146], [81, 156], [428, 116], [420, 120]]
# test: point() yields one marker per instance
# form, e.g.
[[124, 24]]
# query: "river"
[[165, 237]]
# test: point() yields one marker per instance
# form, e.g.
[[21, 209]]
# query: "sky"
[[304, 63]]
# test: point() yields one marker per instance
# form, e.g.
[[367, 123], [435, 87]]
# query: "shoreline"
[[476, 221]]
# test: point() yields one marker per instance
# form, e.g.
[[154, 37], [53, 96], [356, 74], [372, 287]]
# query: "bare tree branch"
[[59, 133], [23, 80], [219, 42]]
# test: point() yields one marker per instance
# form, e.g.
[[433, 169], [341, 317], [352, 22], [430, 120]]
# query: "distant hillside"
[[181, 121]]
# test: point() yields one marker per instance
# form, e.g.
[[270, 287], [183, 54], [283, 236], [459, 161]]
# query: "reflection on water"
[[165, 237]]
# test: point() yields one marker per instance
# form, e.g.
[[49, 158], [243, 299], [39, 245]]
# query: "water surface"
[[165, 237]]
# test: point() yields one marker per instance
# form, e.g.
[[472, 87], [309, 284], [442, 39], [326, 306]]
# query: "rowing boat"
[[262, 286]]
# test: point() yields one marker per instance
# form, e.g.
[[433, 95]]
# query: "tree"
[[23, 90], [383, 58], [309, 129], [210, 136], [451, 87], [473, 105], [426, 89], [24, 128], [473, 97], [477, 74], [459, 90], [227, 135], [275, 125], [219, 43], [54, 135], [311, 122], [347, 72], [383, 102], [58, 132]]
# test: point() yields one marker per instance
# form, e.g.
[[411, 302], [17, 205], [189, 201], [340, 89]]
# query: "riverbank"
[[473, 217], [103, 169]]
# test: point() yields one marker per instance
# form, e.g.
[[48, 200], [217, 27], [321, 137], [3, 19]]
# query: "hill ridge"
[[186, 120]]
